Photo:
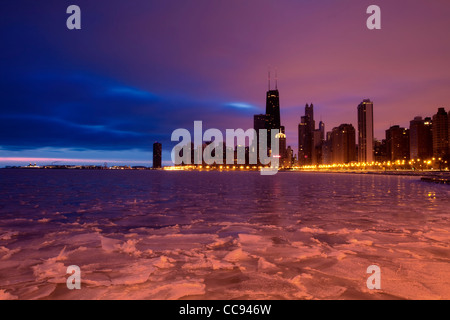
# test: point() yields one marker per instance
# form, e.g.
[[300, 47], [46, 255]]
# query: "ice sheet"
[[210, 235]]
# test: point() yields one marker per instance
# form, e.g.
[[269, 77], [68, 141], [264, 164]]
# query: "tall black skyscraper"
[[273, 121], [157, 155], [270, 121], [306, 136]]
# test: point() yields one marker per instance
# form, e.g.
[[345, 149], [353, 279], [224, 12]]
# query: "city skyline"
[[351, 138], [100, 94]]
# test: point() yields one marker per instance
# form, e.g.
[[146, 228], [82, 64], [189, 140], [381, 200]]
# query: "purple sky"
[[140, 69]]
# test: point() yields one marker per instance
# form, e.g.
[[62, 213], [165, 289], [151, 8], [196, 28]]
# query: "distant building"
[[365, 131], [343, 144], [420, 138], [157, 155], [397, 141], [441, 134]]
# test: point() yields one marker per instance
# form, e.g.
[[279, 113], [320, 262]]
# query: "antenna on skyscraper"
[[276, 79], [269, 76]]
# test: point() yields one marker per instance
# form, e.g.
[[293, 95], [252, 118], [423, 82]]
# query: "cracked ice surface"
[[212, 235]]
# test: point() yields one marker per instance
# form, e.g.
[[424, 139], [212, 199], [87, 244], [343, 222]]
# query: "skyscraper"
[[420, 138], [306, 136], [309, 112], [365, 131], [157, 155], [273, 121], [440, 134]]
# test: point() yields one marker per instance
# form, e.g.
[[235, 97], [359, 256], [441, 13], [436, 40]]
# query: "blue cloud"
[[240, 105], [130, 93], [84, 111]]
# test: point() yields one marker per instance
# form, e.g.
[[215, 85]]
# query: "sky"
[[137, 70]]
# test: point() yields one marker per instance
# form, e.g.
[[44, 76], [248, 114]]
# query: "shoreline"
[[411, 173]]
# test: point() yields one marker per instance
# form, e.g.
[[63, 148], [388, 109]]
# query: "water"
[[230, 235]]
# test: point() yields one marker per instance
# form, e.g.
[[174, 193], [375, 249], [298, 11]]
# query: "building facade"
[[420, 138], [441, 134], [397, 143], [343, 144], [365, 131]]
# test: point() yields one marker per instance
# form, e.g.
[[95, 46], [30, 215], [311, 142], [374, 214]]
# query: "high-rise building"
[[397, 142], [343, 144], [305, 136], [273, 121], [157, 155], [441, 134], [309, 112], [365, 131], [420, 138]]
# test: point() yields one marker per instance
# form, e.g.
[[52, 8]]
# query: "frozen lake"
[[230, 235]]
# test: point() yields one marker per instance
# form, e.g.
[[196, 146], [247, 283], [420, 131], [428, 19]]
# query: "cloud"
[[91, 112], [30, 131], [240, 105]]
